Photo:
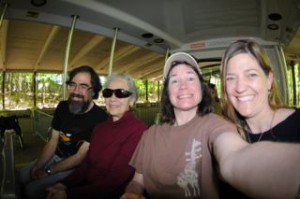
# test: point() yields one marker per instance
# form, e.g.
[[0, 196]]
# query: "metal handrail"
[[41, 123], [8, 183]]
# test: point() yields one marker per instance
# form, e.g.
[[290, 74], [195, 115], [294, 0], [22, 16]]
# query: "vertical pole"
[[294, 83], [66, 63], [34, 89], [112, 51], [3, 90], [166, 57], [167, 54], [3, 13], [282, 77], [158, 91], [3, 80], [147, 91]]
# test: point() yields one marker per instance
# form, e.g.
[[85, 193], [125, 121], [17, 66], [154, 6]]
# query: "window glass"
[[48, 89], [18, 90], [100, 100], [154, 91], [141, 87], [293, 71]]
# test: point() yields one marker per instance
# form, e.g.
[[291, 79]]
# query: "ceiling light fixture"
[[159, 40], [38, 3], [275, 16], [273, 26], [147, 35]]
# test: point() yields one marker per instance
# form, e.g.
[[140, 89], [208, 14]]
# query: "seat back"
[[8, 181]]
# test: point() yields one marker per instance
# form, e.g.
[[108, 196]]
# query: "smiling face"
[[118, 106], [80, 93], [184, 88], [247, 85]]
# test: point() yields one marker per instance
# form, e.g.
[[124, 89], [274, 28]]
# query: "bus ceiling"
[[147, 31]]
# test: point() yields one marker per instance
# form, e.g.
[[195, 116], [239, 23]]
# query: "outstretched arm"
[[263, 169]]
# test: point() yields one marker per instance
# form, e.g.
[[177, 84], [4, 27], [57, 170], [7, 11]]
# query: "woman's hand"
[[57, 191], [37, 173], [132, 196]]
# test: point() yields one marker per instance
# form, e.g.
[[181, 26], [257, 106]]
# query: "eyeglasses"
[[119, 93], [81, 87]]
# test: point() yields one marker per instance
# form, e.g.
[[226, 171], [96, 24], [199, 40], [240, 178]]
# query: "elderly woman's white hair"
[[130, 82]]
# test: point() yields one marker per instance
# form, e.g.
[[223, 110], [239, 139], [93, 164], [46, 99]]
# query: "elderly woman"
[[180, 157], [105, 171]]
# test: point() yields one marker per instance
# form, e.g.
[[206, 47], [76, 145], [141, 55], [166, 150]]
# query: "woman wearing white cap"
[[185, 155]]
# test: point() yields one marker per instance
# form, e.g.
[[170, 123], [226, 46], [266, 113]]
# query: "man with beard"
[[72, 125]]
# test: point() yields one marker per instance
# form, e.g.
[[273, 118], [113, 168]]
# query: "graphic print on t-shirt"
[[188, 178], [65, 138], [65, 146]]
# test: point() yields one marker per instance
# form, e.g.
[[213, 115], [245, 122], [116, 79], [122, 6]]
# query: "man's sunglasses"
[[119, 93]]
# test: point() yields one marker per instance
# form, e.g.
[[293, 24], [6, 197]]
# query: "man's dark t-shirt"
[[74, 129]]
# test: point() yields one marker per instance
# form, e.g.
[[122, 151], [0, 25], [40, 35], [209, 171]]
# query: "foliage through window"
[[48, 89], [294, 98], [18, 90]]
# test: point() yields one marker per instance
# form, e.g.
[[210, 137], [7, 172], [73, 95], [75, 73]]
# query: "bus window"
[[293, 71]]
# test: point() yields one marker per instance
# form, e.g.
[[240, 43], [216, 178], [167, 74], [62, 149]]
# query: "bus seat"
[[8, 181]]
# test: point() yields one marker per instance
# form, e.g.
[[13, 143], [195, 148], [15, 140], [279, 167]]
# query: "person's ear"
[[270, 80], [131, 102], [92, 93]]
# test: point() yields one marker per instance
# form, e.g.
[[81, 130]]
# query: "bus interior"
[[42, 40]]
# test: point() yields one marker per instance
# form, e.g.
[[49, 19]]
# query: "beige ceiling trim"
[[94, 41], [153, 66], [138, 61], [119, 54], [54, 30], [150, 65], [157, 74], [144, 64]]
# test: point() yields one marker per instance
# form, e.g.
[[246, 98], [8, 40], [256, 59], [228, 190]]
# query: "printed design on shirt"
[[65, 137], [188, 178]]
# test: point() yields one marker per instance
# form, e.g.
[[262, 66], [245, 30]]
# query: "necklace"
[[262, 134]]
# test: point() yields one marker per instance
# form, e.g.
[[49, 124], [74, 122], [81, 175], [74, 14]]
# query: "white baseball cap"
[[180, 56]]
